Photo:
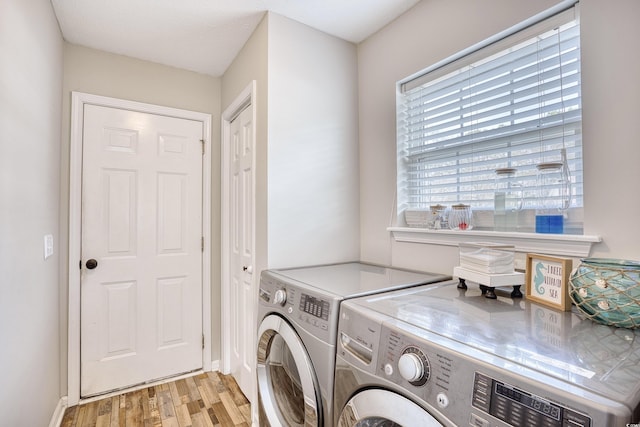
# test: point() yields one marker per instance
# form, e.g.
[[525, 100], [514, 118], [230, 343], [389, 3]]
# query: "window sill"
[[572, 245]]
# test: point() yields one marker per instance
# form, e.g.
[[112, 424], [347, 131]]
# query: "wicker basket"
[[608, 291]]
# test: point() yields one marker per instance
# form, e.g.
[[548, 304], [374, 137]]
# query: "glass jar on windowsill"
[[554, 195], [461, 217]]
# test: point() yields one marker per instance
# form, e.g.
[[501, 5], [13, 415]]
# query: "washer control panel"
[[517, 407], [309, 310], [406, 361], [314, 306]]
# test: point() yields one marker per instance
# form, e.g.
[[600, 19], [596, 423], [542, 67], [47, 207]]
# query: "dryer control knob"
[[280, 297], [411, 367]]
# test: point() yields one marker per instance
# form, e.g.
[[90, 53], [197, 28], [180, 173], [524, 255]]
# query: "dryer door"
[[288, 391], [376, 407]]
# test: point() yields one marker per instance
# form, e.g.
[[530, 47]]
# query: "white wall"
[[436, 29], [100, 73], [313, 146], [30, 89], [306, 137], [611, 107]]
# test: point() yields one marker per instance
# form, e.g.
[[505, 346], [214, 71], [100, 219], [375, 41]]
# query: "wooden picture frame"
[[547, 281]]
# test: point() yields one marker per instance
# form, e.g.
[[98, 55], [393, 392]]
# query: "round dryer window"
[[383, 408], [287, 388]]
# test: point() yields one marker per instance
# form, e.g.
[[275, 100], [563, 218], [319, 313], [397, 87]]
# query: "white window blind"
[[512, 104]]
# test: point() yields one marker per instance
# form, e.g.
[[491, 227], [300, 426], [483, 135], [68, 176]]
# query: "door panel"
[[172, 221], [121, 227], [118, 318], [242, 292], [170, 302], [141, 307]]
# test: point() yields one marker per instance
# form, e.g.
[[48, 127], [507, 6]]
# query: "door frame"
[[78, 100], [246, 98]]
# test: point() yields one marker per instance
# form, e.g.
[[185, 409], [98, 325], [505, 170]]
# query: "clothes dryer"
[[442, 356], [297, 329]]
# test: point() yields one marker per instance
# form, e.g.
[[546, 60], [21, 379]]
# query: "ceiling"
[[206, 35]]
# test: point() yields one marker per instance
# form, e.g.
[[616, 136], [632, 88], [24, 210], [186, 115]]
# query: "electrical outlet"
[[48, 245]]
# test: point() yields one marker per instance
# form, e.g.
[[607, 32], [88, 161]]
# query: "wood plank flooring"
[[208, 399]]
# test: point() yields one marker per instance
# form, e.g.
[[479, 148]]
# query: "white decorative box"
[[487, 258]]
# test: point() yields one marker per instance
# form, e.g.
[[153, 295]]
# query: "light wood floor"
[[208, 399]]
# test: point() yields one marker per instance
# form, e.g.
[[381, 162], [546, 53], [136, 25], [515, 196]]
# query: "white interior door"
[[141, 279], [242, 290]]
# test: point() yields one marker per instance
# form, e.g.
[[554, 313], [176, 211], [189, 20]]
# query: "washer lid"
[[354, 279], [516, 333]]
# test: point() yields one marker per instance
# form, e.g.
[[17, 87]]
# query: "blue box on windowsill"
[[550, 224]]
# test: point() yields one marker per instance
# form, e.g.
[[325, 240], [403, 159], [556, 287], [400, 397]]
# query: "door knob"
[[91, 264], [248, 269]]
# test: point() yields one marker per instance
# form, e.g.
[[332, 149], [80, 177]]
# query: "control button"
[[443, 400], [410, 367], [414, 366], [290, 310], [280, 297], [388, 369], [476, 421]]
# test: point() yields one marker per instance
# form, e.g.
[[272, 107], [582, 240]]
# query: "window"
[[514, 103]]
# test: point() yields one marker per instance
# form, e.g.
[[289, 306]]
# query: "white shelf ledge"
[[572, 245]]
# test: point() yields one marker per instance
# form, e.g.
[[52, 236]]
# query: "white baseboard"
[[58, 414], [215, 366]]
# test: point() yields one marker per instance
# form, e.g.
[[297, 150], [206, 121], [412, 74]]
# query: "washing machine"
[[297, 329], [443, 356]]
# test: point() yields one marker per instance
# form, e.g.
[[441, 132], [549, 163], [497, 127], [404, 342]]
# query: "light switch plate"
[[48, 245]]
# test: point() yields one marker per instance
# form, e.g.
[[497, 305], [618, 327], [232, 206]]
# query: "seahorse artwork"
[[538, 279]]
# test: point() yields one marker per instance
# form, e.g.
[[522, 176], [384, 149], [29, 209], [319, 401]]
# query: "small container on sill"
[[417, 218], [460, 217], [438, 218], [507, 200]]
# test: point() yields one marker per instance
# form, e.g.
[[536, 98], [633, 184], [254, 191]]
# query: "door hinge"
[[203, 341], [202, 244], [202, 140], [80, 264]]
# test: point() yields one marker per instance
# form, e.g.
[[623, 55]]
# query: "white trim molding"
[[572, 245], [78, 101], [58, 413]]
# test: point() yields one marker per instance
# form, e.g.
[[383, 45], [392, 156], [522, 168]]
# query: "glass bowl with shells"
[[608, 291]]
